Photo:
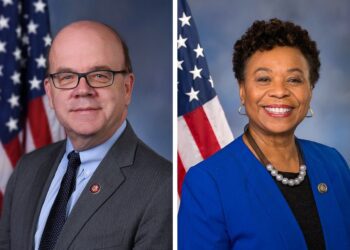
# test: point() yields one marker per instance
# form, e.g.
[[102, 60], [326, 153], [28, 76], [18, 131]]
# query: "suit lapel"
[[109, 176], [272, 200], [41, 186]]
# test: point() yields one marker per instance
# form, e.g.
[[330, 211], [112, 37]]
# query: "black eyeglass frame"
[[84, 75]]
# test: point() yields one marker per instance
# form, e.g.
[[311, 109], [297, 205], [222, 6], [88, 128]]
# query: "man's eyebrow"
[[99, 67]]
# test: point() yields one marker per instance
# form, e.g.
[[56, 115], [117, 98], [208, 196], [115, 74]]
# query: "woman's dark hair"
[[265, 35]]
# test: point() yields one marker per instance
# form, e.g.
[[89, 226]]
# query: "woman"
[[269, 189]]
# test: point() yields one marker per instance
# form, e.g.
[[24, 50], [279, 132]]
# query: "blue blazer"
[[230, 201]]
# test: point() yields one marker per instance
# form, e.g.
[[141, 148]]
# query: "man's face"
[[89, 115]]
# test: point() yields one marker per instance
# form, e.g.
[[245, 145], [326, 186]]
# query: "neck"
[[279, 149], [84, 142]]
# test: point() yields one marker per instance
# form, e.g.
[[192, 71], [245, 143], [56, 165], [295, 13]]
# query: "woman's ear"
[[242, 92]]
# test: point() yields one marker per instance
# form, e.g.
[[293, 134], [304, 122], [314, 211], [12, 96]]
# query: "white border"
[[174, 84]]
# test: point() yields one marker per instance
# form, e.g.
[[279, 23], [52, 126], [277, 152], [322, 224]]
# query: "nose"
[[279, 90], [83, 88]]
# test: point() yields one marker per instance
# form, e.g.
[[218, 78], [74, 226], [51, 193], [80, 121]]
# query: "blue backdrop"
[[221, 23], [147, 28]]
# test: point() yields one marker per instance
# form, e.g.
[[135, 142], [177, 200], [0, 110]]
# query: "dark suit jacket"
[[133, 209]]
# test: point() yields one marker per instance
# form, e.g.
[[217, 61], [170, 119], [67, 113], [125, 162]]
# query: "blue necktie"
[[57, 216]]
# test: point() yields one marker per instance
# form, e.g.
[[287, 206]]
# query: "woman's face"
[[276, 91]]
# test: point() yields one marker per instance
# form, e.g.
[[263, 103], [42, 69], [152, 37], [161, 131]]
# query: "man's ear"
[[48, 90], [128, 86]]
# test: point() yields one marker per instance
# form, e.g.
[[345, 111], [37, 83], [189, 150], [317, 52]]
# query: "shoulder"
[[148, 158], [38, 156], [225, 159], [44, 151], [317, 150], [327, 157], [143, 161]]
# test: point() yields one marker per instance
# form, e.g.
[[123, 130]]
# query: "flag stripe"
[[5, 169], [37, 119], [203, 135], [25, 122], [202, 125], [216, 115], [13, 150], [29, 142], [57, 131], [180, 174], [187, 147]]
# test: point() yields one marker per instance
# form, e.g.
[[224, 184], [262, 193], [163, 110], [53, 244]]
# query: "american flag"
[[202, 125], [26, 121]]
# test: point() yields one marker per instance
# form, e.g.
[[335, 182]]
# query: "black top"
[[301, 201]]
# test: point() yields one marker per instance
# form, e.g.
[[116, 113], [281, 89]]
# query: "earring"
[[310, 113], [241, 110]]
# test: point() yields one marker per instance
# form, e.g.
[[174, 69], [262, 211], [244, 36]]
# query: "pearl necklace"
[[285, 180], [272, 170]]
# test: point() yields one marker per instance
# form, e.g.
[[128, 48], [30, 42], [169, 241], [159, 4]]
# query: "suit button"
[[322, 188]]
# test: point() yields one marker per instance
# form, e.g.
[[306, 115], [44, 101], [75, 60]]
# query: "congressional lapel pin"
[[95, 188], [322, 188]]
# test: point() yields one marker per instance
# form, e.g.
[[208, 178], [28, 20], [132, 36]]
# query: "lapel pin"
[[95, 188], [322, 188]]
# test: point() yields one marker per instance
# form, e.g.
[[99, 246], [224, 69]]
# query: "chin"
[[86, 128], [278, 128]]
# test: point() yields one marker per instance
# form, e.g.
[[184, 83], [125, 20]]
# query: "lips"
[[278, 110], [87, 109]]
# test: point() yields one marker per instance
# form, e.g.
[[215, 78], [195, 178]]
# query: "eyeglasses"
[[95, 79]]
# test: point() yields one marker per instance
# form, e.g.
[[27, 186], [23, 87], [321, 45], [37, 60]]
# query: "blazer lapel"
[[109, 176], [41, 186], [272, 200], [329, 213]]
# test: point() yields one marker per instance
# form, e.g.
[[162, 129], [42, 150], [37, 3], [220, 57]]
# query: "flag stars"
[[199, 51], [12, 124], [211, 81], [179, 64], [19, 31], [193, 94], [1, 67], [25, 39], [181, 42], [16, 77], [39, 6], [14, 101], [47, 40], [35, 83], [6, 2], [41, 61], [2, 47], [196, 72], [23, 62], [20, 8], [17, 54], [185, 20], [32, 27], [4, 22]]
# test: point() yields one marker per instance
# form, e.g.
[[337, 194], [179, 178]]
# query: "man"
[[102, 187]]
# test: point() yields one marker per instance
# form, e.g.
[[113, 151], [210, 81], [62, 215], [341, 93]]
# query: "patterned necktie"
[[57, 216]]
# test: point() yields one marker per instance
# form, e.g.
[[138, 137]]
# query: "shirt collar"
[[98, 152]]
